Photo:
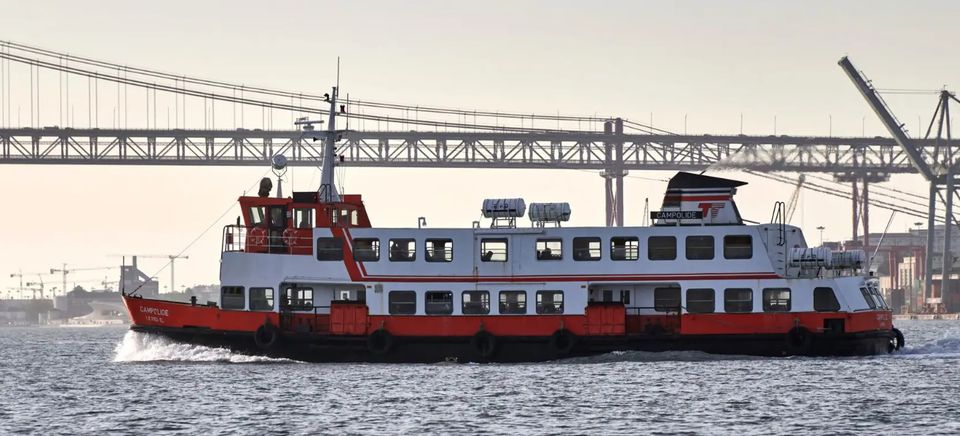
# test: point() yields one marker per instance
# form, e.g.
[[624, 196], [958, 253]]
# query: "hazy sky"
[[708, 61]]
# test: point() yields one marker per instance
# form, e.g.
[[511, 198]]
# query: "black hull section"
[[312, 348]]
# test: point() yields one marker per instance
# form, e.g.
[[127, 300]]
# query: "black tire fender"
[[563, 341], [485, 343], [896, 340], [799, 340], [380, 342], [266, 336]]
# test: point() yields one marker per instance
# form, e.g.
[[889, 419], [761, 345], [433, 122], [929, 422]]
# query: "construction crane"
[[795, 198], [171, 257], [66, 271]]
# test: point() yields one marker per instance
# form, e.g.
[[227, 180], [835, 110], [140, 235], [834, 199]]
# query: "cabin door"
[[276, 224]]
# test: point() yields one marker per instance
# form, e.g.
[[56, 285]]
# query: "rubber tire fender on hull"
[[799, 340], [563, 341], [380, 342], [266, 336], [485, 344], [896, 340]]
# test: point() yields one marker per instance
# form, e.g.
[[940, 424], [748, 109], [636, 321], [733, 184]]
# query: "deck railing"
[[239, 238]]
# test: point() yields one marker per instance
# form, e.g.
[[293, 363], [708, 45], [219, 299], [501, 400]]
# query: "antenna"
[[880, 243], [338, 72]]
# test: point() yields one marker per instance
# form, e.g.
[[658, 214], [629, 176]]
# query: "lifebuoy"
[[799, 340], [380, 342], [563, 341], [257, 237], [266, 336], [896, 340], [289, 237], [485, 343]]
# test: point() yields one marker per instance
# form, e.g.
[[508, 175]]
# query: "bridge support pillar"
[[613, 173], [860, 187]]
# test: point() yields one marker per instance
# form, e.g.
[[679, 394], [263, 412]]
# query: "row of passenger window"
[[697, 247], [474, 302], [739, 300]]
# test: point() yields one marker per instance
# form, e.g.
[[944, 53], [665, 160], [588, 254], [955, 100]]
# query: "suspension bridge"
[[210, 122]]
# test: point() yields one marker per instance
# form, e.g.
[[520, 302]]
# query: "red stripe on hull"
[[144, 312]]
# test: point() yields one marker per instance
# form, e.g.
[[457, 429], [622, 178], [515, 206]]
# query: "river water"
[[113, 381]]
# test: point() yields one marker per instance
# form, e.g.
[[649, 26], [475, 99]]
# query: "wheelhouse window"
[[738, 300], [666, 299], [402, 303], [303, 218], [868, 298], [700, 247], [737, 247], [257, 215], [662, 248], [403, 250], [549, 249], [701, 300], [439, 250], [881, 303], [476, 302], [297, 298], [513, 302], [329, 249], [261, 299], [825, 300], [493, 250], [776, 300], [549, 302], [366, 249], [586, 248], [624, 248], [231, 298], [438, 303]]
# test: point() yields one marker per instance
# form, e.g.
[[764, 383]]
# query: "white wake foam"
[[943, 347], [143, 347]]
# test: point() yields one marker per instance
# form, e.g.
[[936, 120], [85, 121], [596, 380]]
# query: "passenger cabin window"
[[257, 215], [476, 302], [701, 300], [513, 302], [700, 247], [231, 298], [666, 299], [493, 250], [549, 249], [586, 248], [624, 248], [662, 248], [303, 218], [825, 300], [776, 300], [402, 303], [549, 302], [261, 299], [737, 247], [366, 249], [297, 298], [438, 303], [329, 249], [403, 250], [738, 300], [439, 250]]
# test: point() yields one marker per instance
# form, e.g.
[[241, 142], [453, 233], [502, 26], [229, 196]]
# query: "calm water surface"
[[112, 381]]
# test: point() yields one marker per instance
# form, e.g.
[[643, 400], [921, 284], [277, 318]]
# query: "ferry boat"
[[308, 277]]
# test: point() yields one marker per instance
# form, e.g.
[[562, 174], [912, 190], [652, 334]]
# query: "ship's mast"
[[328, 188]]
